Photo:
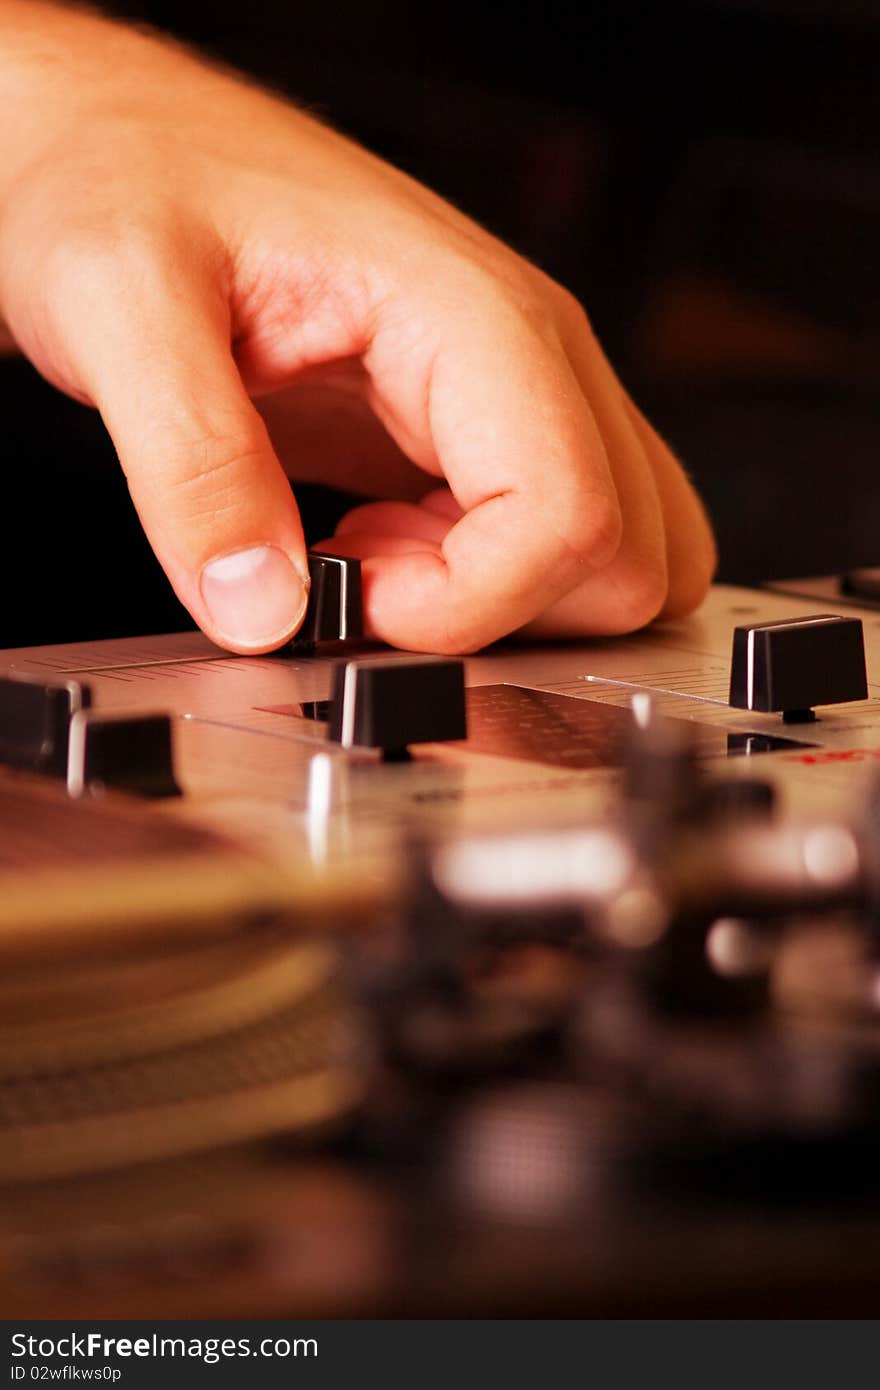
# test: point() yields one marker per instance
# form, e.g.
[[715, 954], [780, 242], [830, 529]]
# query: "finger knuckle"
[[561, 307], [73, 266], [539, 311], [593, 529], [502, 287], [93, 253], [642, 594], [569, 309], [689, 583]]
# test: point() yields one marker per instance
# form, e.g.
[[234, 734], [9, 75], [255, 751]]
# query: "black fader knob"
[[391, 704], [35, 720], [797, 663], [131, 753], [335, 607]]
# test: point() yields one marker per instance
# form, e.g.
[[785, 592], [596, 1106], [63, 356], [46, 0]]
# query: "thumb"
[[213, 499]]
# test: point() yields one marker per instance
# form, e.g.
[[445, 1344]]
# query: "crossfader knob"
[[391, 704], [123, 752], [797, 663], [35, 720], [335, 607]]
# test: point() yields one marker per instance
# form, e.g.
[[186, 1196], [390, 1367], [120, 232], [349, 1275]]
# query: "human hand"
[[229, 281]]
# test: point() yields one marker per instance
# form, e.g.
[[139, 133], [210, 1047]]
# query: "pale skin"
[[243, 294]]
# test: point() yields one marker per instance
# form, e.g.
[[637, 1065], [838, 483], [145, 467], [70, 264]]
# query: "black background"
[[702, 175]]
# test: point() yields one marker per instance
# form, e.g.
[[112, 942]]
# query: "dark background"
[[704, 176]]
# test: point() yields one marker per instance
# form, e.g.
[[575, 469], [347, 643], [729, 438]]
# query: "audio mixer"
[[346, 981]]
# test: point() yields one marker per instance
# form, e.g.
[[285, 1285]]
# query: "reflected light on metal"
[[320, 800], [733, 949], [524, 1156], [831, 855]]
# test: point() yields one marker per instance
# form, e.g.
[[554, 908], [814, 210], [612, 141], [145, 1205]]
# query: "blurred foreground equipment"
[[579, 1013]]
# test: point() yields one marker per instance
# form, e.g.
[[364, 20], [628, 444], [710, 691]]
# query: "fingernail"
[[255, 597]]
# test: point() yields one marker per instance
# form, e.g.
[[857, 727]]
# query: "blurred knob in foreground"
[[131, 753], [35, 720]]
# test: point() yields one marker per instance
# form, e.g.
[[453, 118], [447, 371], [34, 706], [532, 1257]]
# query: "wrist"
[[63, 67]]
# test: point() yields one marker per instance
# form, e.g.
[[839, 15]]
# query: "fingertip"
[[254, 599]]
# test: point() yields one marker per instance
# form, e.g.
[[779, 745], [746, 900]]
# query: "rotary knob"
[[335, 607], [391, 704], [794, 664]]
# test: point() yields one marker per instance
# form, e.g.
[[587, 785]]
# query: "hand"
[[228, 281]]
